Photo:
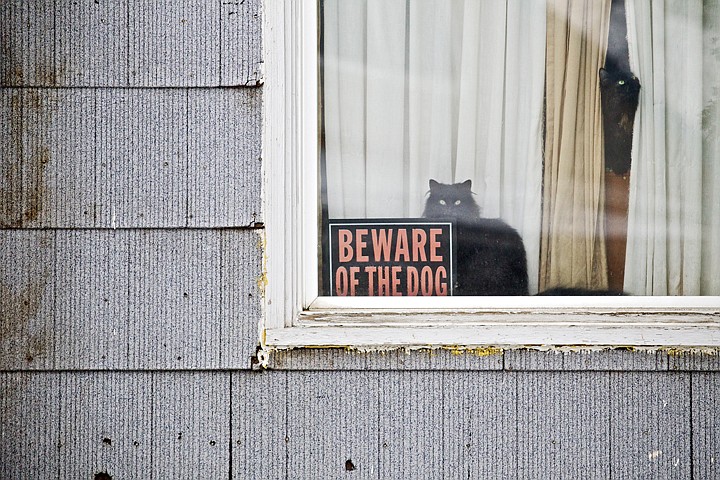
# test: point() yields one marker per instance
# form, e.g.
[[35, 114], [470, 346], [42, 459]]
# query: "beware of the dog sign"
[[384, 257]]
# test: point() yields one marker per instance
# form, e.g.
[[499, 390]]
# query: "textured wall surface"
[[131, 232], [359, 424], [131, 43]]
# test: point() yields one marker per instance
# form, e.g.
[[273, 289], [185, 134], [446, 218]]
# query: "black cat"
[[491, 256], [619, 96]]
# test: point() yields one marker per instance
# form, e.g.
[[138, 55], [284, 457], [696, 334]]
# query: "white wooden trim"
[[289, 135], [295, 316], [511, 304], [508, 335], [308, 93], [275, 140], [539, 318]]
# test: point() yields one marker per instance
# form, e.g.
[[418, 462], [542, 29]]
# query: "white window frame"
[[294, 316]]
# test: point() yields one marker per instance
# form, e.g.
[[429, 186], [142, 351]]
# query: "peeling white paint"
[[571, 337], [654, 455], [263, 357], [494, 348]]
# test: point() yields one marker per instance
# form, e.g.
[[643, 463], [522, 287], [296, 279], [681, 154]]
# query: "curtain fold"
[[448, 90], [573, 239], [343, 63], [673, 226]]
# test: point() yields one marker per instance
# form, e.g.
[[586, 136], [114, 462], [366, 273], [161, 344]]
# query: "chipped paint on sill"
[[490, 350], [477, 351], [323, 358], [680, 351]]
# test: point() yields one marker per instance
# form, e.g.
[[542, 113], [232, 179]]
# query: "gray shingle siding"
[[131, 234]]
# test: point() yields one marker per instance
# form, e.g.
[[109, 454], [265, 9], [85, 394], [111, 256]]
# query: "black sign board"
[[391, 257]]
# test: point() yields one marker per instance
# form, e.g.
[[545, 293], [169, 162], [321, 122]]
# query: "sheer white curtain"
[[674, 216], [450, 90]]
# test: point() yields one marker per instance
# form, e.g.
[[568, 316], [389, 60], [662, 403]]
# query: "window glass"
[[517, 147]]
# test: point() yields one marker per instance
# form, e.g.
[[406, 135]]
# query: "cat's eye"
[[457, 202], [442, 202], [621, 82]]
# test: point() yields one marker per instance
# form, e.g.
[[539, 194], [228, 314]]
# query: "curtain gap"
[[617, 186]]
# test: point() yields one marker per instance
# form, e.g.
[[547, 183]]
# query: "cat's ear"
[[467, 184], [433, 184], [603, 76]]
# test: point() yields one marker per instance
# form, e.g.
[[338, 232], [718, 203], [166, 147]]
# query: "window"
[[413, 91]]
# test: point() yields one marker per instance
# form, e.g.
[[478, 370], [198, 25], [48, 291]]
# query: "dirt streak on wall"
[[25, 332], [26, 335], [23, 190]]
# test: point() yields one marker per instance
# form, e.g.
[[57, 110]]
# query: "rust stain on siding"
[[20, 302], [47, 76], [23, 191]]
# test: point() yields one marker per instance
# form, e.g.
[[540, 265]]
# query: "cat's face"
[[451, 201], [623, 83]]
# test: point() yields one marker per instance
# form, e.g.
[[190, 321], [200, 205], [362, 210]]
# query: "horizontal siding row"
[[129, 299], [453, 359], [135, 158], [130, 43], [365, 425]]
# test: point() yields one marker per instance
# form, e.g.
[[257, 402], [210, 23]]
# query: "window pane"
[[570, 144]]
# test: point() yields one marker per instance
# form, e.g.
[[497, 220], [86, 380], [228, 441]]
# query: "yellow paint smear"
[[477, 351], [262, 280], [681, 351]]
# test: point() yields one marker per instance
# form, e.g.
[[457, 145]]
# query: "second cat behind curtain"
[[619, 94], [491, 257]]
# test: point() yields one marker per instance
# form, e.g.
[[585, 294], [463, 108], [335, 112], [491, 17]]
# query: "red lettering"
[[435, 245], [426, 281], [419, 240], [361, 244], [381, 240], [383, 281], [341, 282], [402, 249], [396, 281], [413, 281], [344, 241], [440, 285], [354, 282], [371, 280]]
